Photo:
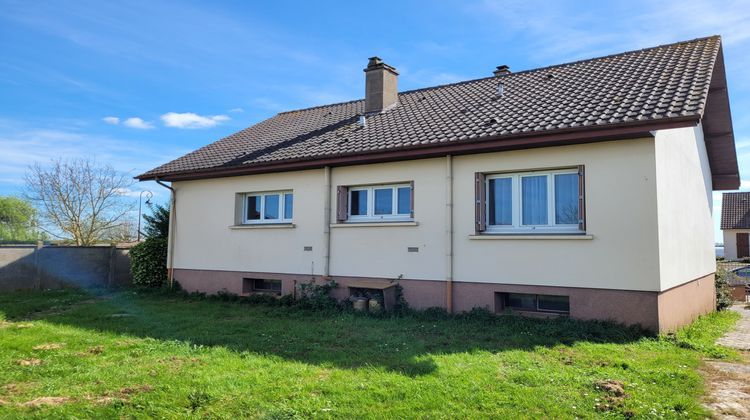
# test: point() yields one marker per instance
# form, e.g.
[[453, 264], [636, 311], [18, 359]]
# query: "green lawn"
[[76, 354]]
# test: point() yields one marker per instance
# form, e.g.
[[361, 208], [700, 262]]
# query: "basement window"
[[268, 207], [536, 303], [261, 286]]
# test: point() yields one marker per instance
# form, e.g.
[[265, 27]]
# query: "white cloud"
[[190, 120], [111, 120], [236, 110], [745, 184], [135, 122]]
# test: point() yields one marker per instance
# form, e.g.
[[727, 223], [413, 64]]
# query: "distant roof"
[[735, 210], [617, 96]]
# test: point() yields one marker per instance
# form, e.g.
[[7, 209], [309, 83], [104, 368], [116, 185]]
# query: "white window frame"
[[282, 211], [371, 216], [517, 204]]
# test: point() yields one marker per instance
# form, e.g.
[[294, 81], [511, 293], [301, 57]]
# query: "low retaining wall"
[[50, 267]]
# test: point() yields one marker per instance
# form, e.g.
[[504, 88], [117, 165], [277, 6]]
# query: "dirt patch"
[[91, 351], [123, 394], [729, 394], [49, 346], [29, 362], [609, 386], [3, 402], [614, 397], [126, 343], [177, 363], [16, 388], [51, 401]]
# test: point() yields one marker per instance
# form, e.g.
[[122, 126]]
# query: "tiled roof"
[[660, 84], [735, 210]]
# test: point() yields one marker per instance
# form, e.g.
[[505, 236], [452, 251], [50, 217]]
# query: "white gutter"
[[449, 233], [327, 222]]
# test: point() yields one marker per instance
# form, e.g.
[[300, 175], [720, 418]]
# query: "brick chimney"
[[501, 70], [381, 86]]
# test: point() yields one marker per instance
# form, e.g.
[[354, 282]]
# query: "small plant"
[[317, 296], [198, 399], [723, 289]]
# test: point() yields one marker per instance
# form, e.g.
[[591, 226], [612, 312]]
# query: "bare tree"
[[78, 199]]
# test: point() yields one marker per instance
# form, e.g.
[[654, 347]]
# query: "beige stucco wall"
[[205, 210], [684, 202], [381, 251], [620, 216], [621, 221], [730, 242]]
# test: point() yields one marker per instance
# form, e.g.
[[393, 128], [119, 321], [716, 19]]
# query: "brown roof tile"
[[735, 210], [659, 84]]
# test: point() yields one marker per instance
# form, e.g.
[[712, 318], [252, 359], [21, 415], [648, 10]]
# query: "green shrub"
[[148, 262], [317, 296], [723, 289]]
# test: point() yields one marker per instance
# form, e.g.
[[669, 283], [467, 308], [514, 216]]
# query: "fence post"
[[38, 266], [112, 265]]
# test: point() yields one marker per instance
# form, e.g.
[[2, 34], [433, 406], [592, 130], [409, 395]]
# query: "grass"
[[71, 353]]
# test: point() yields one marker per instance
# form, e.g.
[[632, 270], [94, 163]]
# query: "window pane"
[[404, 200], [554, 303], [288, 206], [263, 285], [521, 301], [500, 201], [359, 202], [566, 199], [384, 201], [534, 198], [253, 208], [272, 207]]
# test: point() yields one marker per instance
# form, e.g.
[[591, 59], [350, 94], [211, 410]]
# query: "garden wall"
[[50, 267]]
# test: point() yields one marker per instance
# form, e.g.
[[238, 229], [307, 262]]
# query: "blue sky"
[[135, 84]]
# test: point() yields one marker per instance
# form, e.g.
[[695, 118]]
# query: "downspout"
[[449, 233], [327, 223], [172, 229]]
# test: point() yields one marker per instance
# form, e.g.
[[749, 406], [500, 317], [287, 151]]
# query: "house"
[[735, 224], [582, 189]]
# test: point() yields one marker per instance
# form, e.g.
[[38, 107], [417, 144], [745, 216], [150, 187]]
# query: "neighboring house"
[[581, 189], [735, 222]]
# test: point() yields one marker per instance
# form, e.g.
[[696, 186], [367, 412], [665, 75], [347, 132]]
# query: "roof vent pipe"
[[501, 70], [362, 121]]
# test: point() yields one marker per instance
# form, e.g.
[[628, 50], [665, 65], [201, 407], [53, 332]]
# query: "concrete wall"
[[730, 242], [684, 203], [620, 251], [29, 267]]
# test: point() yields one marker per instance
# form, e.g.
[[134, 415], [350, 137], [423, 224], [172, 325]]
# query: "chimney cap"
[[501, 70], [376, 63]]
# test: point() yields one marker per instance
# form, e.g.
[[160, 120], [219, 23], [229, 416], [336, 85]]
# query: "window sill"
[[264, 226], [372, 224], [541, 236]]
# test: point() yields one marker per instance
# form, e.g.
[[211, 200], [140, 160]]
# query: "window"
[[376, 203], [268, 207], [261, 286], [545, 201], [536, 303]]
